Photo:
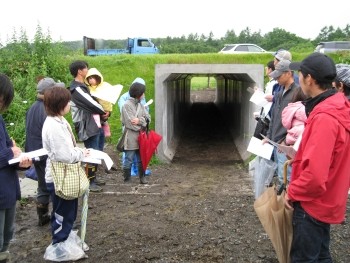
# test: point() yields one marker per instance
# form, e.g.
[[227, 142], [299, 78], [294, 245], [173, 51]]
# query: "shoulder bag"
[[121, 141], [70, 179]]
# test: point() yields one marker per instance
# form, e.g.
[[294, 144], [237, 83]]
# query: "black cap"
[[318, 65]]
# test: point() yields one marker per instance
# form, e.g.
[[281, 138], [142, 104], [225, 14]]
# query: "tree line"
[[193, 43]]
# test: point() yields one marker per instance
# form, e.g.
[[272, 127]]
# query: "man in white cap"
[[35, 118]]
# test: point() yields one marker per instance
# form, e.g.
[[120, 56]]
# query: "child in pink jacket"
[[294, 117]]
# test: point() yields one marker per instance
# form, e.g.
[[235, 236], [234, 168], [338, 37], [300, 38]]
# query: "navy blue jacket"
[[9, 184]]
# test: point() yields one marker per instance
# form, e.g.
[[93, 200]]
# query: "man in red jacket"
[[320, 178]]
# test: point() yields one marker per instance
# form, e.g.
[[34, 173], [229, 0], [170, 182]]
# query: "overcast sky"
[[70, 20]]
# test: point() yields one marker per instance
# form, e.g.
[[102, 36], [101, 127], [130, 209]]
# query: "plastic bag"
[[68, 250], [252, 165], [263, 175]]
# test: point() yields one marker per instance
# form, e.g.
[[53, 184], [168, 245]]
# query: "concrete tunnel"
[[173, 101]]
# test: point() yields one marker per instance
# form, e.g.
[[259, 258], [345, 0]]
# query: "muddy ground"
[[197, 209]]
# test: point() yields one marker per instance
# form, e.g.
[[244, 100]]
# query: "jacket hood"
[[91, 72], [338, 106]]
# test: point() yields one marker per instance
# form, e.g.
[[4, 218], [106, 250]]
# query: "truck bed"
[[103, 52]]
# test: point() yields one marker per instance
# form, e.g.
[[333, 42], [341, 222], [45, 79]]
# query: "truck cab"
[[136, 45], [141, 45]]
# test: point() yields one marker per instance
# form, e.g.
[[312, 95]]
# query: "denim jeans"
[[101, 140], [93, 142], [7, 227], [280, 159], [311, 238], [129, 158]]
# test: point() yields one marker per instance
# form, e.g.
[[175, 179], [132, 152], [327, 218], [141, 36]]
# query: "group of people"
[[313, 107], [46, 127]]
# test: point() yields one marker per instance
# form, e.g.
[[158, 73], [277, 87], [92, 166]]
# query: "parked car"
[[333, 46], [241, 49]]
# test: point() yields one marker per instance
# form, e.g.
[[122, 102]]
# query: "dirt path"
[[197, 209]]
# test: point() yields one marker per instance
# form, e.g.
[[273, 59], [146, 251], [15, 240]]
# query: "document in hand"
[[257, 147], [96, 156], [287, 150], [31, 154], [108, 92], [258, 98]]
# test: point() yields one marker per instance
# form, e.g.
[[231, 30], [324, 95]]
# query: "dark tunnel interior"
[[206, 137]]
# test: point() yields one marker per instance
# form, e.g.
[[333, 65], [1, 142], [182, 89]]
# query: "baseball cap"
[[343, 74], [283, 54], [282, 66], [47, 83], [318, 65], [139, 80]]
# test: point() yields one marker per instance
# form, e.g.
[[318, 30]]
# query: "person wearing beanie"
[[123, 98], [10, 190], [134, 118], [83, 109], [342, 80], [35, 118], [318, 190]]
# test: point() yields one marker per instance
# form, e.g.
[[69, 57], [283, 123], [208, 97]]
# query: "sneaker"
[[95, 188]]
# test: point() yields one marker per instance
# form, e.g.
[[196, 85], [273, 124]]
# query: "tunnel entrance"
[[179, 118], [206, 138]]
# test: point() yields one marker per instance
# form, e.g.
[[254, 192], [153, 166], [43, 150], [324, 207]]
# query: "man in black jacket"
[[83, 108]]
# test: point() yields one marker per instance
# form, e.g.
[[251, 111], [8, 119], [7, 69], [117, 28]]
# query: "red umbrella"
[[148, 142]]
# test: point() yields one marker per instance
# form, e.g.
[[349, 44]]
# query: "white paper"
[[96, 155], [297, 143], [91, 160], [108, 92], [148, 102], [287, 150], [267, 108], [257, 147], [31, 155], [258, 98]]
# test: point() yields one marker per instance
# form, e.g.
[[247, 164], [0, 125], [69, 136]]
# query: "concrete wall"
[[173, 102]]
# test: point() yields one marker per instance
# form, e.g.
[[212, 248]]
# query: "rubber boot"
[[90, 171], [142, 175], [43, 214], [4, 256], [98, 179], [127, 175]]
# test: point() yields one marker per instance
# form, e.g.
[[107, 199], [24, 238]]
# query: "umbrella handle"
[[285, 167]]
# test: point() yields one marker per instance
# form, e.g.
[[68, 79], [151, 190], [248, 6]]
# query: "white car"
[[242, 49]]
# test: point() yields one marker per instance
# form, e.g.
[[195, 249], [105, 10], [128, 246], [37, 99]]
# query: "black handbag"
[[121, 141], [262, 126]]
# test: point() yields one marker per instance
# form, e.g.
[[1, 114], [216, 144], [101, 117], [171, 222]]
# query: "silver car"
[[333, 46], [241, 48]]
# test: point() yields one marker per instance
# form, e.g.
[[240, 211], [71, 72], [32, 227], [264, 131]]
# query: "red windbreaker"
[[320, 177]]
